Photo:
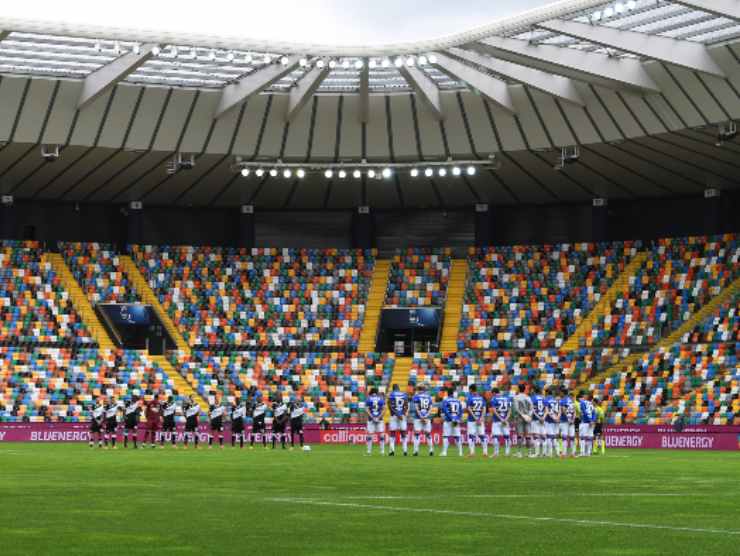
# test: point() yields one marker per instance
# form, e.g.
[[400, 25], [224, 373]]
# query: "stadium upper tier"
[[644, 89]]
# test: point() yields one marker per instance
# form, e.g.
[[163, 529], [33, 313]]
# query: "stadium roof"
[[642, 87]]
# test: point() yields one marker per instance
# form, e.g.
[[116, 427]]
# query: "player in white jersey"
[[97, 423], [422, 404], [475, 406], [567, 423], [500, 416], [522, 413], [398, 403]]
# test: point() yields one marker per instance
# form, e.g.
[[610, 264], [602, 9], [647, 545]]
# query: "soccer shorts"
[[95, 427], [169, 424], [476, 429], [598, 429], [423, 425], [398, 424], [111, 425], [152, 426], [536, 428], [237, 427], [567, 430], [450, 429], [258, 424], [131, 425], [191, 424], [499, 428], [296, 425], [278, 426], [217, 425], [585, 430], [522, 427], [375, 427], [551, 429]]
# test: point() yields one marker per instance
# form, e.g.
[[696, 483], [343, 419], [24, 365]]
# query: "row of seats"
[[722, 326], [700, 382], [418, 277], [533, 297], [55, 384], [331, 385], [678, 277], [34, 306], [261, 298], [98, 270]]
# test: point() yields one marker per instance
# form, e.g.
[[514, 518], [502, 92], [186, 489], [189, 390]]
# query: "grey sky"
[[348, 22]]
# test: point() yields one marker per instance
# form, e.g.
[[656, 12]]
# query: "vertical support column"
[[246, 235], [363, 229], [483, 225], [599, 220], [7, 218], [135, 223], [712, 212]]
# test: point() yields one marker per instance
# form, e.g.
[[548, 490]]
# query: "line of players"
[[160, 418], [545, 424]]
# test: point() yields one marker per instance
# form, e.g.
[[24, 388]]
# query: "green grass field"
[[69, 499]]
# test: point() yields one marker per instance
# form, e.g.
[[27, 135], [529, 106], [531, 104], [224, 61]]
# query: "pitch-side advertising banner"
[[707, 437]]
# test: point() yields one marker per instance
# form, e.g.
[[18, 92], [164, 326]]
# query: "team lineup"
[[159, 421], [547, 425]]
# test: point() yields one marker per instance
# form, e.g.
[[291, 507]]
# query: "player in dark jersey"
[[216, 414], [192, 412], [97, 423], [169, 430], [111, 422], [259, 409], [280, 418], [153, 415], [296, 421], [131, 416], [238, 413]]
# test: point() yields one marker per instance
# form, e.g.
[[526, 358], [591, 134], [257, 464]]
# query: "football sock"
[[392, 443], [282, 441], [405, 443], [458, 440], [369, 444], [273, 441], [381, 441], [210, 440], [603, 446], [300, 436], [233, 440], [495, 445], [471, 445], [416, 443], [221, 440], [484, 441], [173, 438], [445, 445], [430, 443]]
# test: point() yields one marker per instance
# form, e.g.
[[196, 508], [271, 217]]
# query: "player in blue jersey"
[[422, 404], [567, 423], [475, 405], [500, 415], [452, 413], [538, 421], [398, 403], [587, 413], [374, 407], [552, 420]]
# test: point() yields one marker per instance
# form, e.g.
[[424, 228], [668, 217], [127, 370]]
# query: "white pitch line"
[[566, 494], [574, 521]]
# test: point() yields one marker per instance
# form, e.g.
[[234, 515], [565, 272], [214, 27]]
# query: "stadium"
[[391, 277]]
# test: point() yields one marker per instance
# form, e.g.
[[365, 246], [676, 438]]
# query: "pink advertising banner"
[[707, 437]]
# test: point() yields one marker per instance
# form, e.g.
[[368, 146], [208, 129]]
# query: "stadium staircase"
[[181, 385], [400, 376], [375, 301], [621, 284], [80, 301], [148, 297], [674, 337], [453, 305]]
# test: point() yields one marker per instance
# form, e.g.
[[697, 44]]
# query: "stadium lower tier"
[[54, 384]]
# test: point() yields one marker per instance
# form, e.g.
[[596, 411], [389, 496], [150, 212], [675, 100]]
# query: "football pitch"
[[70, 499]]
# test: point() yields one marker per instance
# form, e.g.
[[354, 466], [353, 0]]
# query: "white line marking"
[[562, 495], [574, 521]]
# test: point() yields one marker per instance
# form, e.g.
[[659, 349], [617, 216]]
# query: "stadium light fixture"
[[136, 49], [442, 172], [387, 173], [248, 59], [320, 63], [287, 173], [359, 64], [371, 173], [429, 172], [303, 62], [414, 172], [230, 56], [273, 172], [432, 59], [332, 64], [245, 172], [328, 173], [471, 170], [284, 60], [399, 62], [260, 172], [345, 63], [410, 61], [342, 174], [301, 173], [156, 51], [422, 60], [372, 63], [357, 174], [267, 59], [456, 171], [386, 63]]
